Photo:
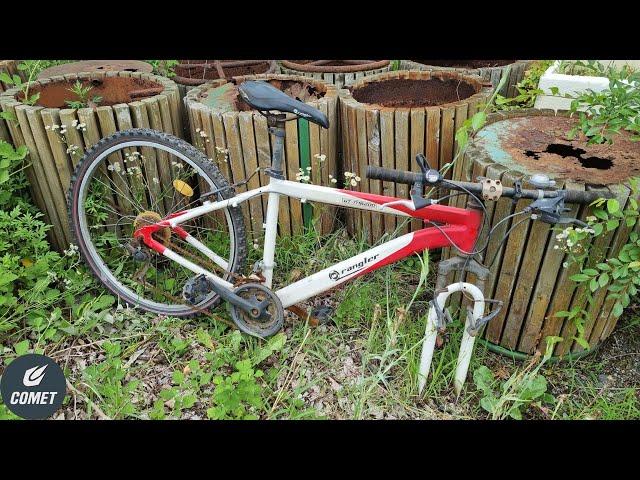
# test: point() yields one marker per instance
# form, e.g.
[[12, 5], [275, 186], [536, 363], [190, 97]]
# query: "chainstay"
[[195, 309], [240, 279]]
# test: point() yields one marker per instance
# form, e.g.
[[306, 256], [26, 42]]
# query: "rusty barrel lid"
[[96, 66], [541, 143]]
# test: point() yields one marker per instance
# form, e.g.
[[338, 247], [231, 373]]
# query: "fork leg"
[[468, 340]]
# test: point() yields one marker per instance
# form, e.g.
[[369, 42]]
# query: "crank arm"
[[256, 311]]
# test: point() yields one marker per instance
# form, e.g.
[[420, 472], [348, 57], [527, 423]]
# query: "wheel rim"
[[123, 286]]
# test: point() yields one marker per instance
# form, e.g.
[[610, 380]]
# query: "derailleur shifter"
[[550, 210]]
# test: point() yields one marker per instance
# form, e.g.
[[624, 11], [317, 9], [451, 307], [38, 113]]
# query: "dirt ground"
[[113, 90], [193, 69], [413, 93]]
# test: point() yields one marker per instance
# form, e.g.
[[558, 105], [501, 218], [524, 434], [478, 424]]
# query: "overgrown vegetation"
[[603, 115], [527, 88], [124, 364], [82, 94], [163, 67]]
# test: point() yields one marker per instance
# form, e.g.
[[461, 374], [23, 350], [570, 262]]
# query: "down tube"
[[389, 252]]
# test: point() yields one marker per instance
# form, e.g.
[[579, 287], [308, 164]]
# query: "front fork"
[[474, 322], [466, 346]]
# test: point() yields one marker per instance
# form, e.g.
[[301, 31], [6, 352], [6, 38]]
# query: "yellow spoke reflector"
[[183, 188]]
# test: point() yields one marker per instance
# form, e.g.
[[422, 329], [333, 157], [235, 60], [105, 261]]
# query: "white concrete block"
[[566, 84]]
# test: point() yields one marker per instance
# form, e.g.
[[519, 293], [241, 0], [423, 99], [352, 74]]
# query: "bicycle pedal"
[[196, 289], [323, 314]]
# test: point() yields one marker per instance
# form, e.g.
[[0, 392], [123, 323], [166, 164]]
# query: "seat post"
[[276, 128]]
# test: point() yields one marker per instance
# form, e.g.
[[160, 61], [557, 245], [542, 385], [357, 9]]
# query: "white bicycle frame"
[[316, 283]]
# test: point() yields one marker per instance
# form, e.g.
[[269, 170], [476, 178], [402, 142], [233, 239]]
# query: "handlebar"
[[410, 178]]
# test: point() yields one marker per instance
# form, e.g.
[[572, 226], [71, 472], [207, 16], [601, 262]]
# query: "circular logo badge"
[[33, 386]]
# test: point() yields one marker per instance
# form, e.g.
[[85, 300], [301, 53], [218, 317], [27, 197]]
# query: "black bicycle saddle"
[[263, 96]]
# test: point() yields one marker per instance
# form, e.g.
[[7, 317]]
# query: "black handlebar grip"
[[586, 197], [389, 175]]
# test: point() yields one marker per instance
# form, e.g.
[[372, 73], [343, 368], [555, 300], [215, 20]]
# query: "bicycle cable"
[[506, 235]]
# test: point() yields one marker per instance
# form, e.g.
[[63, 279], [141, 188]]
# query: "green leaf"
[[274, 344], [6, 78], [177, 377], [617, 309], [478, 120], [579, 277], [604, 279], [612, 224], [582, 342], [488, 403], [21, 347], [613, 205]]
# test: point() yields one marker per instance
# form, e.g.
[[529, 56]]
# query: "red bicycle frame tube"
[[461, 226]]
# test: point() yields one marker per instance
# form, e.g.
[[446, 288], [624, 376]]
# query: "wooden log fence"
[[54, 156], [339, 75], [392, 137], [531, 272]]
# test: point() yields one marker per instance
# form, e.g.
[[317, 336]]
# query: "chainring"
[[273, 318]]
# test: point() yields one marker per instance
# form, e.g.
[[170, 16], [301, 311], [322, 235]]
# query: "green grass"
[[361, 366]]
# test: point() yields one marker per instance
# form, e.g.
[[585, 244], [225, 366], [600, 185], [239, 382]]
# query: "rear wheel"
[[135, 178]]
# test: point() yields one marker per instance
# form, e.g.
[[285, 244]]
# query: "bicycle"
[[155, 227]]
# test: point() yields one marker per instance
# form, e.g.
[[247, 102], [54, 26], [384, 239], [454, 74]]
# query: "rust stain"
[[541, 144]]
